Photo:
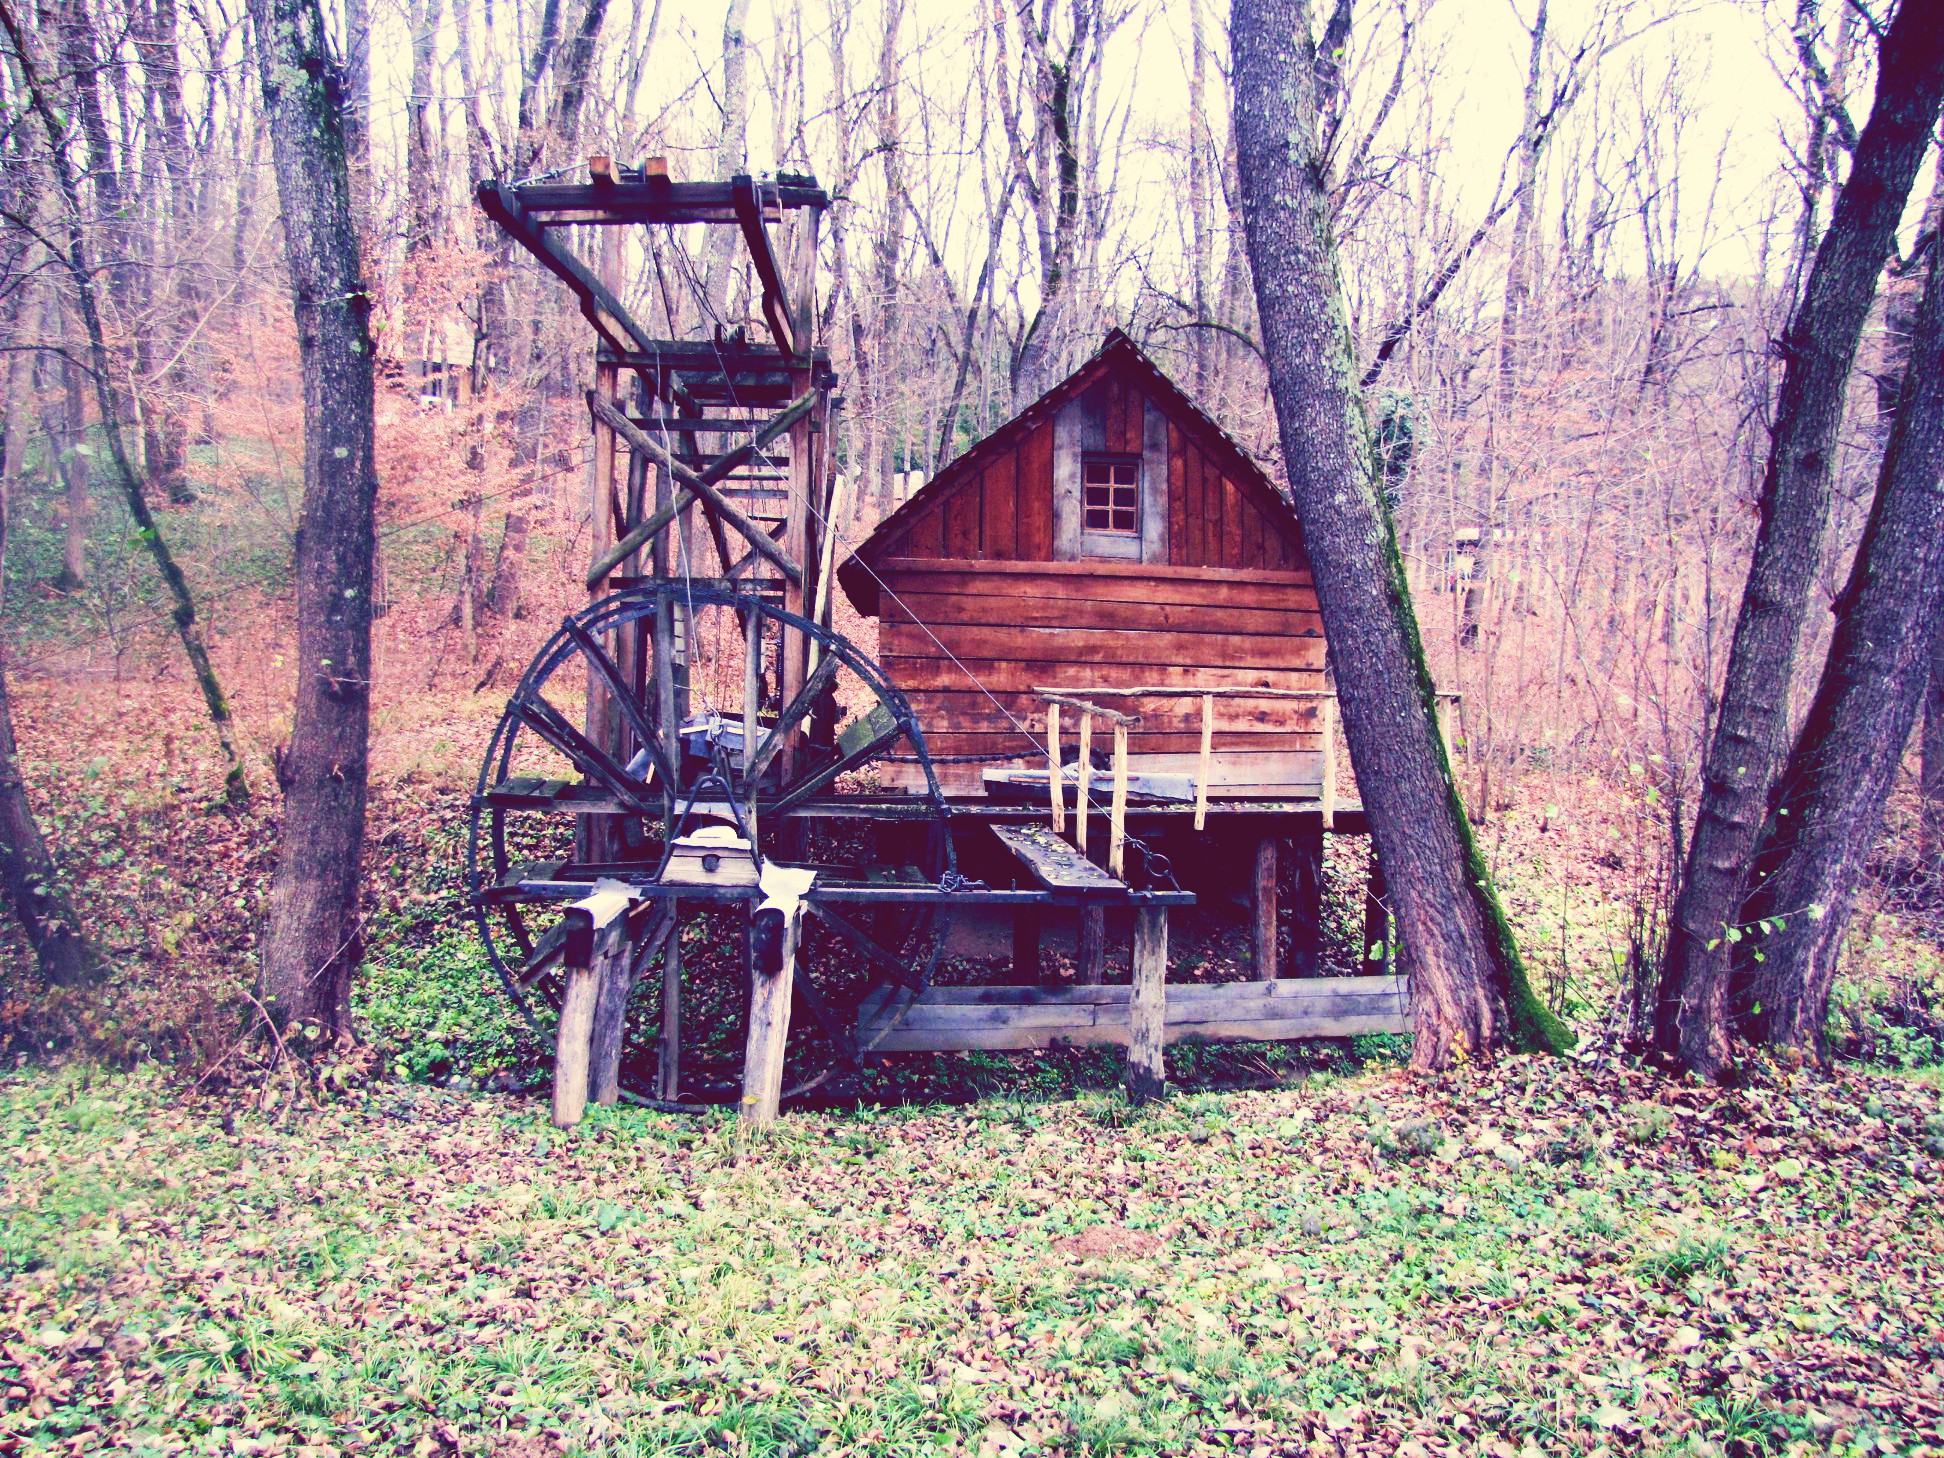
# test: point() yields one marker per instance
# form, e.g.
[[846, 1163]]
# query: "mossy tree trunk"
[[311, 942], [1469, 991], [1692, 1017]]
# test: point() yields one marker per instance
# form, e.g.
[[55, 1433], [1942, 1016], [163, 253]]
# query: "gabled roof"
[[1116, 351]]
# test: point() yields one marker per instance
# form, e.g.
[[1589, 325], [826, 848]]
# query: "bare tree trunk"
[[1468, 986], [1692, 1017], [1829, 801], [67, 434], [311, 938], [1516, 301], [1931, 756], [421, 177]]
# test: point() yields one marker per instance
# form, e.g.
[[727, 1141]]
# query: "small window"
[[1111, 493]]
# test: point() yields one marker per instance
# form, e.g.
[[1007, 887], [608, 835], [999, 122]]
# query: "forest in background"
[[1567, 344]]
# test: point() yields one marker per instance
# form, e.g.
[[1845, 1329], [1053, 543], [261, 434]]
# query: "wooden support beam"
[[1026, 943], [620, 970], [668, 1047], [769, 1030], [1262, 906], [1117, 807], [572, 1045], [595, 925], [776, 301], [1085, 780], [1306, 931], [1113, 716], [1147, 1009], [1328, 793], [605, 311], [1055, 781], [753, 533], [1093, 946], [1207, 760], [752, 705]]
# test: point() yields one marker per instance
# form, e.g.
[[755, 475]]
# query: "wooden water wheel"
[[715, 771]]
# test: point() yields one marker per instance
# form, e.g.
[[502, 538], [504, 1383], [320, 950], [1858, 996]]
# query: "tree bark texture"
[[311, 941], [1819, 347], [1931, 763], [1468, 986], [1829, 800]]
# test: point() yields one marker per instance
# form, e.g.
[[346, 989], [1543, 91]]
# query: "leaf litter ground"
[[1540, 1257]]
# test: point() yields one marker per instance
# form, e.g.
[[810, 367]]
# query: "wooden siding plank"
[[1177, 486], [1033, 489], [998, 571], [1063, 610], [1114, 423], [920, 667], [1000, 505], [1101, 645], [959, 708], [964, 510], [1154, 488], [926, 534], [1231, 525], [1068, 443]]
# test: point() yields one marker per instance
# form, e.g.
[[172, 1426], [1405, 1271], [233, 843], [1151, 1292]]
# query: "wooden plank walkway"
[[948, 1019]]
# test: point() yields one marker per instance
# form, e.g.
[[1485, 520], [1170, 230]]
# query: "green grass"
[[410, 1268]]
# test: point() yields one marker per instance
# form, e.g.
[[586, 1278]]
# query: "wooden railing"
[[1081, 701]]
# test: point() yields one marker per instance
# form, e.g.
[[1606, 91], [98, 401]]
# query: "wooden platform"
[[949, 1019]]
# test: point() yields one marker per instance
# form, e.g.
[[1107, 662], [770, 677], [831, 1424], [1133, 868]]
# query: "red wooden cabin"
[[1109, 537]]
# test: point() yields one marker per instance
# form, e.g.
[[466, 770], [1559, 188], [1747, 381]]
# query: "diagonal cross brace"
[[603, 309], [697, 485]]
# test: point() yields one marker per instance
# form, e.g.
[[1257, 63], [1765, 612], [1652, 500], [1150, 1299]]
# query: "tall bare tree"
[[1819, 349], [1829, 799], [1469, 990], [311, 942]]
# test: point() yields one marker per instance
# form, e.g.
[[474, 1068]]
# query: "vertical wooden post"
[[1328, 793], [790, 645], [1086, 776], [1376, 921], [571, 1045], [1207, 760], [1055, 785], [1263, 906], [1093, 946], [1117, 809], [1147, 1008], [769, 1030], [1306, 941], [752, 702], [614, 971], [668, 1048], [596, 932], [1026, 943]]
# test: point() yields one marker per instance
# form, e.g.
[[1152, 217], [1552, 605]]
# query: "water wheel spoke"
[[549, 724], [810, 785], [899, 967], [546, 952], [601, 664], [798, 709], [835, 1027]]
